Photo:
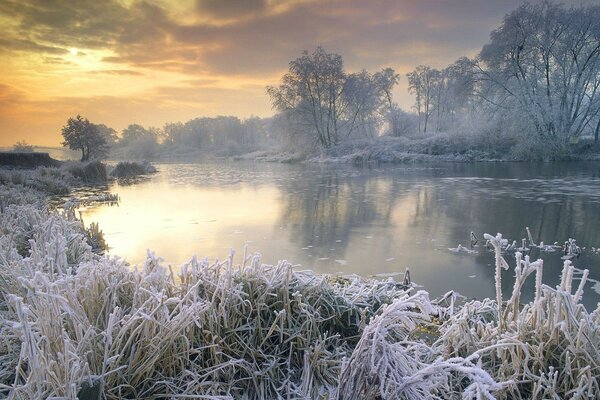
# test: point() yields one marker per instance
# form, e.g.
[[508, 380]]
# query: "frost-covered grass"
[[56, 180], [242, 329], [459, 146]]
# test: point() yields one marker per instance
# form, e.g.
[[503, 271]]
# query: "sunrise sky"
[[155, 61]]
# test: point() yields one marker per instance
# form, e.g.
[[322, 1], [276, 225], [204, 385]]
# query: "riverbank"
[[27, 160], [416, 147], [427, 148], [72, 318], [61, 178]]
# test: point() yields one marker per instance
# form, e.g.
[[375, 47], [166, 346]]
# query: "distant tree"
[[109, 134], [385, 80], [362, 98], [404, 123], [140, 142], [174, 132], [133, 133], [422, 82], [22, 147], [80, 134]]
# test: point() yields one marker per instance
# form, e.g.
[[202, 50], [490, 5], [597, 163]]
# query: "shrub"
[[88, 172], [126, 169]]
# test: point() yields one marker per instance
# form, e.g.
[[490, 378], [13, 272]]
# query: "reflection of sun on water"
[[177, 222]]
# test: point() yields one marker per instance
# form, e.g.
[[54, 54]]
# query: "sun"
[[73, 51]]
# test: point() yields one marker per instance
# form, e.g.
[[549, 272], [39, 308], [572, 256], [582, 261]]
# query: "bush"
[[90, 172], [126, 169], [22, 147]]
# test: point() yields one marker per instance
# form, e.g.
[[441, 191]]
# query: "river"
[[371, 221]]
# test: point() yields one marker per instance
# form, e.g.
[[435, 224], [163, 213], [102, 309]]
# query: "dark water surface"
[[368, 221]]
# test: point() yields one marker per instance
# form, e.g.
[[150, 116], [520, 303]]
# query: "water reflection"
[[366, 221]]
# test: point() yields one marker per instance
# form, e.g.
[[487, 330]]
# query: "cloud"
[[116, 72], [231, 8]]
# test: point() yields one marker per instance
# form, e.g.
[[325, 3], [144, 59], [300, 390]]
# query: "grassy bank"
[[72, 319], [71, 174]]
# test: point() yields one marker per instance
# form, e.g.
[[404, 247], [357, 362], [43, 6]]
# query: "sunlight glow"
[[74, 51]]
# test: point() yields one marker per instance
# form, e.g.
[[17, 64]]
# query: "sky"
[[150, 62]]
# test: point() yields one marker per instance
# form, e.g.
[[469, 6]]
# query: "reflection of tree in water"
[[326, 210], [336, 209], [322, 212]]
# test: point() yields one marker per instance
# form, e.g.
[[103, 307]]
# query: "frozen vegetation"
[[72, 319], [71, 174], [126, 169]]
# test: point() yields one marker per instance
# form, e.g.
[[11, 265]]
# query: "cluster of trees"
[[225, 135], [325, 102], [538, 78], [540, 72], [441, 94], [217, 132]]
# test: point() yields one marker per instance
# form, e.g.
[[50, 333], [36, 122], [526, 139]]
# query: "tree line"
[[222, 133]]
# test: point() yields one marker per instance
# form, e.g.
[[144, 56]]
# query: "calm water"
[[369, 221]]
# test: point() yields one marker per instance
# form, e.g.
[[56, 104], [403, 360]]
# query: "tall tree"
[[319, 96], [385, 80], [80, 134], [422, 83], [544, 61], [312, 89]]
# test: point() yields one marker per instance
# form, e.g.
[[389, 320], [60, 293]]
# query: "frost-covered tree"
[[544, 61], [312, 89], [369, 100], [322, 99], [422, 82], [140, 142], [385, 80], [109, 134], [80, 134]]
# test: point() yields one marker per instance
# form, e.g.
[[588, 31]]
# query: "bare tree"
[[544, 61], [422, 83], [324, 100], [312, 89], [385, 80]]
